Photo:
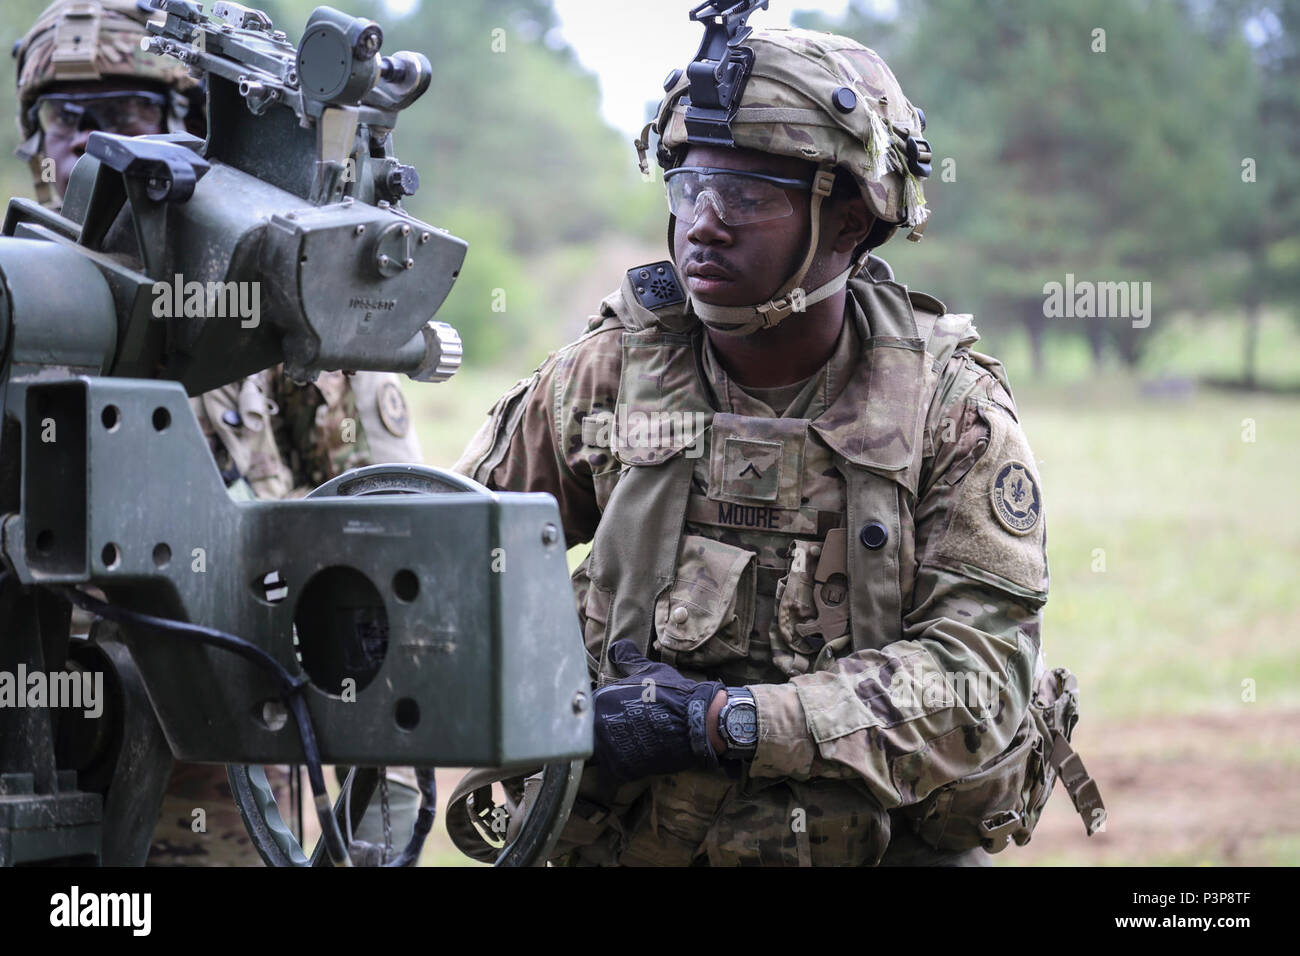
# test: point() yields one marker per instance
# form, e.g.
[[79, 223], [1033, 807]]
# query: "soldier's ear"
[[853, 223]]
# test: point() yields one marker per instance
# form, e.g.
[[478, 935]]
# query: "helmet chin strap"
[[790, 298]]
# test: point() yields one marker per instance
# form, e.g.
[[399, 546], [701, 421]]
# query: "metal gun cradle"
[[422, 619]]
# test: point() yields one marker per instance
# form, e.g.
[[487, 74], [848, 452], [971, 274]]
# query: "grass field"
[[1174, 547]]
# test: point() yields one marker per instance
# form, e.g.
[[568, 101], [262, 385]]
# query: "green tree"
[[1261, 238], [1089, 137]]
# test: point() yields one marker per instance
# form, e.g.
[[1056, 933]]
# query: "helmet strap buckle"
[[824, 182]]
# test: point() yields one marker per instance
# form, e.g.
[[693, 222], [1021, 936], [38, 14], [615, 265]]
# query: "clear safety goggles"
[[738, 197], [126, 112]]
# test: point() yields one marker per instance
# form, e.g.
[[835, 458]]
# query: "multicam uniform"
[[273, 438], [270, 438], [901, 463]]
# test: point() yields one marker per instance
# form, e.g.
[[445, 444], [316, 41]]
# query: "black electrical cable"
[[290, 692], [427, 786]]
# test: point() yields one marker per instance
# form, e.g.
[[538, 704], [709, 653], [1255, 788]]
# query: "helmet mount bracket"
[[718, 73]]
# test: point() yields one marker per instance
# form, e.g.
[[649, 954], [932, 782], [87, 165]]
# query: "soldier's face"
[[741, 265], [65, 139]]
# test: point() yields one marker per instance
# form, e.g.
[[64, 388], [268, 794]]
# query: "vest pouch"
[[1004, 799], [705, 617]]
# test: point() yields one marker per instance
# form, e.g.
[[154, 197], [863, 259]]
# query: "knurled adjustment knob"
[[402, 180], [443, 352]]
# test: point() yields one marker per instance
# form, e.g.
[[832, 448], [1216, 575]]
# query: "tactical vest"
[[878, 454]]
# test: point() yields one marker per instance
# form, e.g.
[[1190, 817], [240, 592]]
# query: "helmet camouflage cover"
[[826, 99], [87, 40]]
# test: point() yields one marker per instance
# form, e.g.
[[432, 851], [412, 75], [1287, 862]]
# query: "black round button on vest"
[[844, 99], [874, 535]]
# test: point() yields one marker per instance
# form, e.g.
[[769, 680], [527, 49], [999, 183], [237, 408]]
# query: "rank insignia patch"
[[751, 469], [392, 410], [1016, 501]]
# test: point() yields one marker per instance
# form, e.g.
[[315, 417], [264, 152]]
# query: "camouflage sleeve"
[[936, 705], [532, 439], [238, 421], [385, 418]]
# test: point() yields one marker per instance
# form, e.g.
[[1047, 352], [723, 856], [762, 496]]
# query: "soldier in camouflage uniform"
[[813, 601], [81, 68]]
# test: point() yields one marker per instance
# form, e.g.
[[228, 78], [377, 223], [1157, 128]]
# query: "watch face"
[[742, 724]]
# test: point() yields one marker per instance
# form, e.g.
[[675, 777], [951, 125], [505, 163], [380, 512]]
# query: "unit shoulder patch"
[[393, 411], [1015, 498]]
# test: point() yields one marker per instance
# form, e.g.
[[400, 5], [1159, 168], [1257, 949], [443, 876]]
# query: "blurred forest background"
[[1148, 141]]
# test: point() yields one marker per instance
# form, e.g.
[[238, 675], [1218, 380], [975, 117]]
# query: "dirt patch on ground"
[[1209, 789]]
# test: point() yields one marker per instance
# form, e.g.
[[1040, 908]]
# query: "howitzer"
[[400, 615]]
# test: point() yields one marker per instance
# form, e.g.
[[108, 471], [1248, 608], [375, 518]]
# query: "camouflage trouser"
[[709, 819], [697, 818], [200, 824], [908, 849]]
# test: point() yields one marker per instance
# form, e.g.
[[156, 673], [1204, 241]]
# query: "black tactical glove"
[[653, 720]]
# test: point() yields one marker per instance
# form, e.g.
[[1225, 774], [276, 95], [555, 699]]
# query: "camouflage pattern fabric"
[[862, 728], [700, 817], [199, 824], [272, 438], [320, 428], [239, 422]]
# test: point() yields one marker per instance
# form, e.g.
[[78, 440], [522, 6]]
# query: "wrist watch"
[[738, 724]]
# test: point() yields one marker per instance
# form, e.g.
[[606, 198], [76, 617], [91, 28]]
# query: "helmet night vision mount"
[[718, 73]]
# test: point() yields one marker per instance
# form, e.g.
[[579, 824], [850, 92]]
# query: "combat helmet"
[[813, 96], [87, 40]]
